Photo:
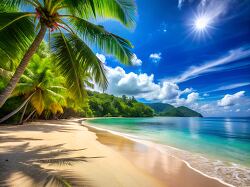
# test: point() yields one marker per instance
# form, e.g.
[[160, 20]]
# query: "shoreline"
[[111, 156], [155, 146], [151, 144], [49, 152], [226, 172]]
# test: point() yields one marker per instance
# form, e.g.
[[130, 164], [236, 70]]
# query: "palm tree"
[[41, 88], [73, 35]]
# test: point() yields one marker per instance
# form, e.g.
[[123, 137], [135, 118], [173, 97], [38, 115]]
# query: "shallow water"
[[219, 147]]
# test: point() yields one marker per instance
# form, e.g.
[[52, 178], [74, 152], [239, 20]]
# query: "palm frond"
[[67, 64], [92, 66], [124, 11], [85, 8], [5, 73], [55, 108], [37, 102], [74, 59], [11, 3], [23, 88], [104, 40], [16, 33], [8, 5]]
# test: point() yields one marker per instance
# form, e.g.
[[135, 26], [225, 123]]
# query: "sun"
[[201, 23]]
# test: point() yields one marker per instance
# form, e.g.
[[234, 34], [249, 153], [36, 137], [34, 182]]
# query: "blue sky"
[[177, 63]]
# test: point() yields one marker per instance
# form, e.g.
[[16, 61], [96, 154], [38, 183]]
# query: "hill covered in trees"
[[101, 104], [162, 109]]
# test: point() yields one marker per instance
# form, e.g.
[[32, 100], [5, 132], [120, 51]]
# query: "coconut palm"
[[41, 88], [68, 26]]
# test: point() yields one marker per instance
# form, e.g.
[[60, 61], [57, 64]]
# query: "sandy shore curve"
[[57, 153]]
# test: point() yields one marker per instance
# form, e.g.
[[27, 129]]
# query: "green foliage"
[[8, 107], [75, 59], [16, 34], [107, 42], [74, 34], [106, 105], [41, 81], [121, 10]]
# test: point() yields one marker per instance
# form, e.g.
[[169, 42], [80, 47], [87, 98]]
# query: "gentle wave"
[[228, 173]]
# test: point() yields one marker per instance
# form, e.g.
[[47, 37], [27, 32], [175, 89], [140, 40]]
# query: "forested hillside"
[[163, 109], [102, 104]]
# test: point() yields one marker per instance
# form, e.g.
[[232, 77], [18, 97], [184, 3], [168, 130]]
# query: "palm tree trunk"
[[4, 95], [29, 116], [16, 110], [24, 110]]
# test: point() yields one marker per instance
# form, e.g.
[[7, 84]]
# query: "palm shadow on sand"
[[21, 159]]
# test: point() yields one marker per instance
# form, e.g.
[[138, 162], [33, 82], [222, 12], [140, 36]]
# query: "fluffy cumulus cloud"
[[144, 86], [121, 82], [192, 97], [136, 61], [231, 100], [155, 57]]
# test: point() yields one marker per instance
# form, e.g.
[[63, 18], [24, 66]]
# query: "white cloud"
[[231, 100], [168, 91], [192, 97], [101, 57], [196, 71], [237, 110], [187, 90], [136, 61], [155, 57], [144, 86], [210, 8], [205, 95], [121, 82], [206, 107], [231, 86]]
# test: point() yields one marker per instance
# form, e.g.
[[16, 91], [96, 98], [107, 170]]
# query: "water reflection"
[[223, 138], [228, 127], [193, 127], [155, 162]]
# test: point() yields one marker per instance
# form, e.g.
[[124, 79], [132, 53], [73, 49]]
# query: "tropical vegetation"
[[104, 105], [43, 79], [71, 31], [42, 93]]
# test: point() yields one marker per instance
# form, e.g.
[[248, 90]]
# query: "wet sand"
[[168, 169]]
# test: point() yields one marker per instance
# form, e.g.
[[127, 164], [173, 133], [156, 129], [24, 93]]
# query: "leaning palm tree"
[[71, 33], [41, 88]]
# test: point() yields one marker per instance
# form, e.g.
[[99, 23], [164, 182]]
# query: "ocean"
[[220, 145]]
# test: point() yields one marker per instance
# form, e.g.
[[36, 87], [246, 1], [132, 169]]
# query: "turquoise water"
[[226, 139]]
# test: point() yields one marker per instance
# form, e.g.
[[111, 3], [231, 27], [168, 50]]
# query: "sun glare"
[[201, 23]]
